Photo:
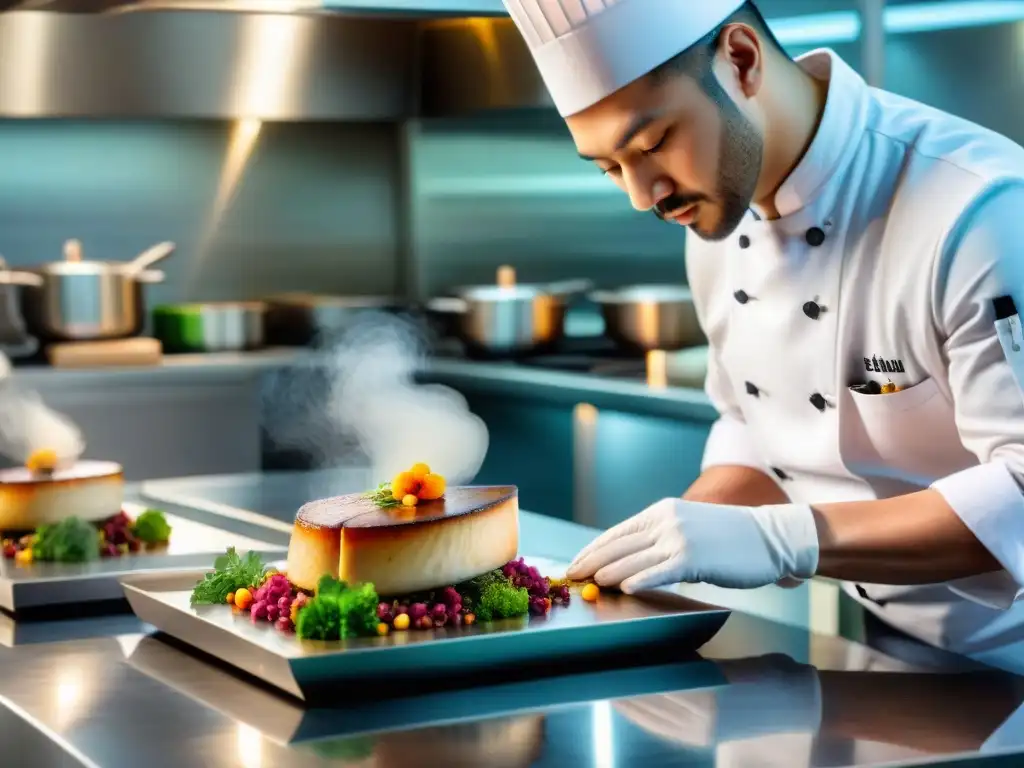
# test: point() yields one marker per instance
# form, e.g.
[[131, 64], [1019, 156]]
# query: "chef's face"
[[689, 148]]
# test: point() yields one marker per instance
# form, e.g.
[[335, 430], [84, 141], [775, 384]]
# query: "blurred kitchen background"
[[382, 149]]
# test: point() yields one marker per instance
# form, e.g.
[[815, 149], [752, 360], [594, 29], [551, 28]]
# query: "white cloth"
[[916, 216], [675, 541], [586, 50]]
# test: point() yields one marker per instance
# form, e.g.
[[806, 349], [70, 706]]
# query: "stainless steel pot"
[[300, 319], [83, 300], [650, 317], [77, 300], [510, 320], [228, 326]]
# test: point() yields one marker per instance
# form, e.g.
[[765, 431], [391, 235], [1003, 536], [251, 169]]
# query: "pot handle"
[[149, 257], [150, 276], [447, 305], [7, 277]]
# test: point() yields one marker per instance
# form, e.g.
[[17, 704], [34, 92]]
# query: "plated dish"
[[409, 555], [72, 513]]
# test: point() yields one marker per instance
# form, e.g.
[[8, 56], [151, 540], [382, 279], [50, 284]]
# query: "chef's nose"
[[647, 190]]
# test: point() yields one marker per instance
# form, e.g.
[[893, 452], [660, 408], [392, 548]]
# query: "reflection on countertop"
[[112, 693], [630, 395], [760, 696]]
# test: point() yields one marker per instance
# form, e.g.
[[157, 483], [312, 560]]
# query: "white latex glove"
[[676, 541]]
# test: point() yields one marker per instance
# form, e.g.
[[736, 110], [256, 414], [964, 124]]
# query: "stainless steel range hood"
[[188, 64], [409, 8]]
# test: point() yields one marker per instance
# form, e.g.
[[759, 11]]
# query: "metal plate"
[[628, 629], [286, 721], [193, 545]]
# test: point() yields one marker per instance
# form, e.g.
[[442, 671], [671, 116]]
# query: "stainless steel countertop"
[[108, 692], [499, 378]]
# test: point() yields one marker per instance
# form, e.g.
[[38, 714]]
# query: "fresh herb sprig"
[[230, 573], [338, 611], [72, 540], [382, 496]]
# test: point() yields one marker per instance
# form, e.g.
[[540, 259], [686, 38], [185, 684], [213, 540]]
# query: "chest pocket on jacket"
[[911, 433]]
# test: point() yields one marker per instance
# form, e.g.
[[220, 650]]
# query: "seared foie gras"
[[400, 550]]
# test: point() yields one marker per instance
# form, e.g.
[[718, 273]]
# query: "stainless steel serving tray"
[[193, 545], [629, 629]]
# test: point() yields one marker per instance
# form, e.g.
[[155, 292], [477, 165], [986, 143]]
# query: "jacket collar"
[[842, 123]]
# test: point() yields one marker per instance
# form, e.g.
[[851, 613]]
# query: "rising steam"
[[27, 424], [360, 406]]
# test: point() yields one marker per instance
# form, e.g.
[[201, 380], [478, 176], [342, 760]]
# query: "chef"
[[844, 247]]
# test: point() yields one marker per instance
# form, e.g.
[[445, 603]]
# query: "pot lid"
[[644, 294], [80, 268]]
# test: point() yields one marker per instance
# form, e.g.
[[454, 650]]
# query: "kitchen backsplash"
[[316, 207], [510, 189]]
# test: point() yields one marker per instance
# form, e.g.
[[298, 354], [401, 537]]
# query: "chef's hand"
[[676, 541]]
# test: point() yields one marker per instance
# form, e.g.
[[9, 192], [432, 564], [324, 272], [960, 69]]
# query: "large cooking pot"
[[646, 318], [75, 300], [300, 319], [508, 320]]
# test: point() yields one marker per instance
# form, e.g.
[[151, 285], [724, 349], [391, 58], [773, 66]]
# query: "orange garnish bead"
[[432, 488], [43, 460], [409, 500], [402, 485]]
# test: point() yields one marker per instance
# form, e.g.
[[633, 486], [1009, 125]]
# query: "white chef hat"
[[588, 49]]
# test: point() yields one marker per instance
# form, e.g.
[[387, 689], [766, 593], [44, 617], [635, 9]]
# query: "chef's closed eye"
[[658, 144]]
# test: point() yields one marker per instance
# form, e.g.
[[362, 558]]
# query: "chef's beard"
[[741, 149]]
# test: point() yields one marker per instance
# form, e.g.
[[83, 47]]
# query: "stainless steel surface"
[[10, 277], [265, 499], [507, 320], [291, 722], [193, 545], [415, 8], [206, 65], [492, 65], [86, 301], [615, 626], [114, 695], [500, 379], [872, 41], [489, 61], [651, 317], [760, 695], [300, 319]]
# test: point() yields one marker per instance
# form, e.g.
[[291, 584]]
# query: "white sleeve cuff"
[[989, 501], [730, 444]]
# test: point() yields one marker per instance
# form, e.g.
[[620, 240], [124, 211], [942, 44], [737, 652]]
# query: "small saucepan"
[[508, 320], [646, 318], [76, 300]]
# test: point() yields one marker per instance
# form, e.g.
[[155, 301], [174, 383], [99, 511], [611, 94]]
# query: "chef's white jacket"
[[896, 231]]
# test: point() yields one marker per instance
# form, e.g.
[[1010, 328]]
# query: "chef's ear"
[[740, 48]]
